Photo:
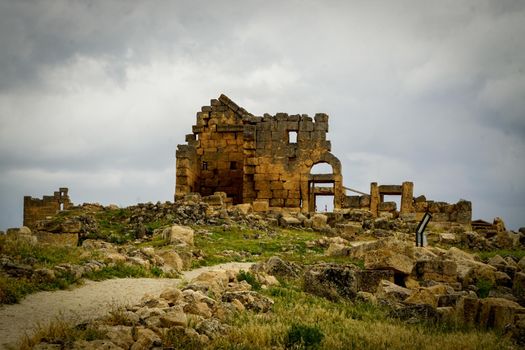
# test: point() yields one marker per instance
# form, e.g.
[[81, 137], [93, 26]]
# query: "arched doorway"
[[321, 189]]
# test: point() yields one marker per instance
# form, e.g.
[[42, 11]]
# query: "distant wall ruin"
[[36, 209], [411, 208]]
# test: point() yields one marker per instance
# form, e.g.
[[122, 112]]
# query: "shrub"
[[301, 336], [484, 288], [250, 278]]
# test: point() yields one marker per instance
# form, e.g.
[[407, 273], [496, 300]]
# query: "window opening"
[[233, 165], [324, 204], [204, 166], [292, 136]]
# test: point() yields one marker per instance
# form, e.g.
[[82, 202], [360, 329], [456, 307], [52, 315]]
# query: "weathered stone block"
[[260, 206]]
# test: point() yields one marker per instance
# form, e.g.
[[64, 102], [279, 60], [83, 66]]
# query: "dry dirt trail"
[[90, 300]]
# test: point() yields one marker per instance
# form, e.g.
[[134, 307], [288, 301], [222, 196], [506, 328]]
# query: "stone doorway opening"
[[321, 188]]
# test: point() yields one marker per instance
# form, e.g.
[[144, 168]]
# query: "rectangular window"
[[204, 166], [233, 165], [292, 136]]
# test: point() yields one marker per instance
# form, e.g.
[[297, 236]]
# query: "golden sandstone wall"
[[251, 158]]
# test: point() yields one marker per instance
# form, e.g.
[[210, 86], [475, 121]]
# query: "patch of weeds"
[[484, 287], [302, 336], [515, 253], [250, 278], [13, 290], [156, 271]]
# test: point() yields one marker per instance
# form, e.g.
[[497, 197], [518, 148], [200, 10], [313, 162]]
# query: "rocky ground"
[[90, 301], [464, 281]]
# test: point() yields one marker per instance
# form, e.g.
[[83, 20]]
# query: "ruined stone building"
[[267, 161], [36, 209], [254, 159]]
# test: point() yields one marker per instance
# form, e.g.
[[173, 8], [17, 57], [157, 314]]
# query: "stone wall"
[[412, 209], [36, 209], [257, 159]]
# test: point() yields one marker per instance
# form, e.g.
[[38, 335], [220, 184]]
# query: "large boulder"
[[319, 221], [390, 254], [332, 281], [276, 266], [439, 270], [391, 291], [488, 313], [179, 235], [385, 259], [518, 287], [172, 259]]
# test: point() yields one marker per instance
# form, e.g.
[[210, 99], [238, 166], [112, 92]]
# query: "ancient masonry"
[[267, 161], [36, 209]]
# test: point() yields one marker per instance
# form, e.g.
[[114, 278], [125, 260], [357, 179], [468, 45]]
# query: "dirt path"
[[91, 300]]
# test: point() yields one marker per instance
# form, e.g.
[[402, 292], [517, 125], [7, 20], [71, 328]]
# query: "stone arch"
[[330, 159], [308, 186]]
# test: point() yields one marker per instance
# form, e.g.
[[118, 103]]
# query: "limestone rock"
[[286, 221], [172, 295], [245, 208], [336, 249], [331, 281], [521, 264], [425, 296], [211, 281], [260, 206], [448, 238], [319, 221], [146, 339], [177, 234], [173, 319], [120, 336], [497, 260], [391, 291], [24, 230], [387, 259], [369, 280], [276, 266], [437, 269], [172, 259], [518, 286], [489, 313]]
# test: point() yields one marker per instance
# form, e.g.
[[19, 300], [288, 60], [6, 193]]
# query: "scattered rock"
[[177, 234]]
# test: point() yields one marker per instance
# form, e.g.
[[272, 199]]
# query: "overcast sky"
[[95, 95]]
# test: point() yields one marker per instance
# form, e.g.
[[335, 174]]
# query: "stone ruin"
[[261, 160], [36, 209], [267, 161]]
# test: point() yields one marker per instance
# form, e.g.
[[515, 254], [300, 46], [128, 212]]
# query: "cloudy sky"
[[95, 95]]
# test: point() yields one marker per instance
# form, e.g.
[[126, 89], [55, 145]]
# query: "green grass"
[[249, 278], [515, 253], [41, 255], [302, 321], [12, 289], [344, 325], [290, 244]]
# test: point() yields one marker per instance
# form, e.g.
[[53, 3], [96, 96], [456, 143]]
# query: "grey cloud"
[[96, 94]]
